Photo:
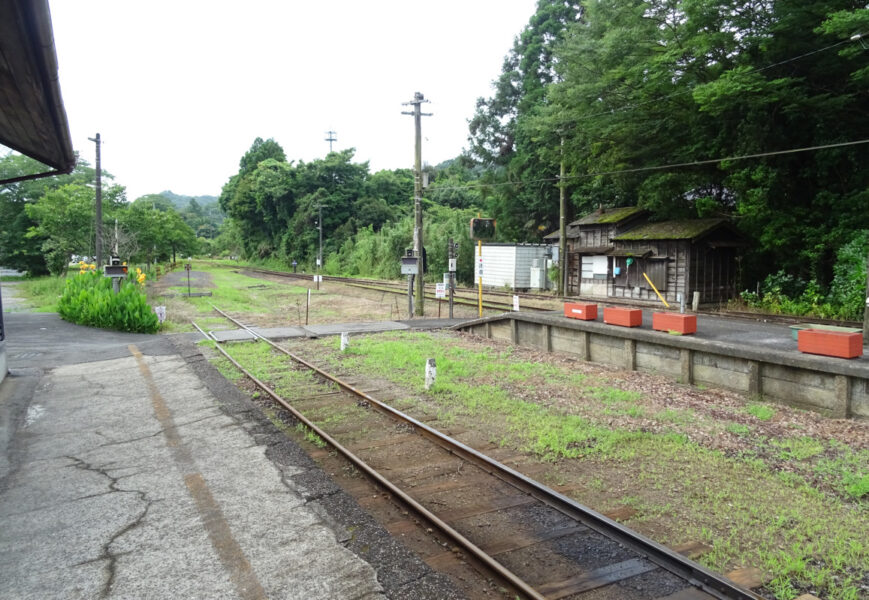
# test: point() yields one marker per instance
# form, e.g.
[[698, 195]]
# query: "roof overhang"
[[631, 253], [32, 118], [597, 250]]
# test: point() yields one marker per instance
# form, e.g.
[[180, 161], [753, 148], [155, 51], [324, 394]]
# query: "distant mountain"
[[182, 202]]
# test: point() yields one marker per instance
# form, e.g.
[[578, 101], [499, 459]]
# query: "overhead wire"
[[694, 163]]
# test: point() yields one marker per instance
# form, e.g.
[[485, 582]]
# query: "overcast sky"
[[179, 89]]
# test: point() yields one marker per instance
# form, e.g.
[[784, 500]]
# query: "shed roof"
[[604, 216], [677, 230], [33, 120]]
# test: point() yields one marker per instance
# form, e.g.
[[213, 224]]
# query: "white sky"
[[179, 89]]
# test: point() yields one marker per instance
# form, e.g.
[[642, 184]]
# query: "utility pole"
[[419, 296], [320, 252], [562, 230], [330, 137], [99, 217]]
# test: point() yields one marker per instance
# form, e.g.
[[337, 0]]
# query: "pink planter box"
[[830, 343], [624, 317], [584, 312], [674, 322]]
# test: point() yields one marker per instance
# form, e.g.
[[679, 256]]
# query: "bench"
[[623, 317], [674, 323], [839, 344], [584, 312]]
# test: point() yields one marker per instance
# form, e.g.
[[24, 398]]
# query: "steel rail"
[[505, 574], [734, 314], [696, 574]]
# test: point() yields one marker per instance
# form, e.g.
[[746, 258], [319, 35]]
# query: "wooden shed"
[[679, 257]]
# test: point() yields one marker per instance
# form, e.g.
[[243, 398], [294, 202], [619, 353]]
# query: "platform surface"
[[131, 469]]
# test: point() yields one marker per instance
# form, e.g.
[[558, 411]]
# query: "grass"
[[760, 411], [42, 293]]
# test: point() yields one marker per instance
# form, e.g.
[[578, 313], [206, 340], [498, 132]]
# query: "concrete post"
[[430, 372]]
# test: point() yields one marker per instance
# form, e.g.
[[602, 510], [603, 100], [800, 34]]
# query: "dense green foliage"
[[88, 299], [275, 204], [372, 253], [619, 89], [46, 222]]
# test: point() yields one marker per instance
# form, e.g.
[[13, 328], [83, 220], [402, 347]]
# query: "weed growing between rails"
[[773, 491]]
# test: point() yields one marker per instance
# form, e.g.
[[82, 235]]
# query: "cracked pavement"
[[144, 474]]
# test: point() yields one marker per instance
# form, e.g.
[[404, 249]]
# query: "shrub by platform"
[[88, 299]]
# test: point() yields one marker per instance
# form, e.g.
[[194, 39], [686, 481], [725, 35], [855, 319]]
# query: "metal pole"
[[480, 276], [410, 296], [451, 255], [866, 309], [98, 242]]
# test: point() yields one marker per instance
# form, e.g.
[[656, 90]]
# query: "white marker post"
[[431, 372], [345, 341]]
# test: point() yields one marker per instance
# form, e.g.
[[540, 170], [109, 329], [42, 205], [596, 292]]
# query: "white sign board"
[[452, 267], [480, 267], [409, 266], [516, 303], [440, 290]]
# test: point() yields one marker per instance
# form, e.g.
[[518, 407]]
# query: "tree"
[[18, 249], [647, 83], [527, 207], [64, 224]]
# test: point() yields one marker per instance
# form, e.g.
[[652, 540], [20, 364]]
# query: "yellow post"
[[656, 290], [480, 275]]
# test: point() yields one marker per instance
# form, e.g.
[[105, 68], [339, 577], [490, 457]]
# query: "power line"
[[694, 163]]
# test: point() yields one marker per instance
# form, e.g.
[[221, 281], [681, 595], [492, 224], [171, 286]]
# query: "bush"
[[88, 299]]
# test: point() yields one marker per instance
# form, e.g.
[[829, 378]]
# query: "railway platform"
[[130, 469]]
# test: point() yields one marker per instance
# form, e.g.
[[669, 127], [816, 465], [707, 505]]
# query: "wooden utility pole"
[[320, 251], [98, 245], [561, 286], [419, 295]]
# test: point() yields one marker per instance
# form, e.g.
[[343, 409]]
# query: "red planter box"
[[625, 317], [830, 343], [584, 312], [675, 322]]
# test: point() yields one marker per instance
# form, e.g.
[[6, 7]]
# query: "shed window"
[[594, 267]]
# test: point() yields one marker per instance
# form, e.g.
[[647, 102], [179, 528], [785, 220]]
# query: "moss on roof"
[[609, 215], [671, 230]]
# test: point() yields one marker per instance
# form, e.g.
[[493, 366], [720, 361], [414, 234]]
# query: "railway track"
[[468, 296], [535, 541]]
